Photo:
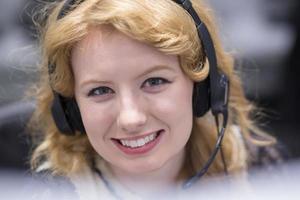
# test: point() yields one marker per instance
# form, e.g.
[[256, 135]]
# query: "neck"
[[155, 182]]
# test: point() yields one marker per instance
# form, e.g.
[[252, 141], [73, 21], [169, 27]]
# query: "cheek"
[[176, 103], [175, 109], [97, 121], [95, 118]]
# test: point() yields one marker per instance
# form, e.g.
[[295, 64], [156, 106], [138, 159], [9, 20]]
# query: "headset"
[[212, 93]]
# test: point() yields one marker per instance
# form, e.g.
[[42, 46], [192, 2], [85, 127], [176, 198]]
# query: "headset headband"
[[219, 86]]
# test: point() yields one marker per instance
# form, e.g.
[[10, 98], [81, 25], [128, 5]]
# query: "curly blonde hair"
[[169, 28]]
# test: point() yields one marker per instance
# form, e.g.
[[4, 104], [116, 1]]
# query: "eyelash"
[[101, 91], [152, 83], [162, 81]]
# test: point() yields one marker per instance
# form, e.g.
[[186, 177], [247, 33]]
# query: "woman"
[[124, 113]]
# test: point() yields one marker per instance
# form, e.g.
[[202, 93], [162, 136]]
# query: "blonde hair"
[[166, 26]]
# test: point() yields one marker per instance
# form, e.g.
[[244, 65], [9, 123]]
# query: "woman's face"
[[135, 101]]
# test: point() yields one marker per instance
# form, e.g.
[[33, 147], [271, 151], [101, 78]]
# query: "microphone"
[[188, 183]]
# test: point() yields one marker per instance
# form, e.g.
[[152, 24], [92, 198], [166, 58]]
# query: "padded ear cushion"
[[201, 98], [58, 114], [73, 114], [66, 115]]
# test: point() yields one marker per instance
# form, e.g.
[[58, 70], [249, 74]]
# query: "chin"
[[142, 167]]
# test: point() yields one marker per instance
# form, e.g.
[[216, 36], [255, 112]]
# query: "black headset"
[[212, 93]]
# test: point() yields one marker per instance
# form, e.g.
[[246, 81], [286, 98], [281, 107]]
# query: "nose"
[[132, 116]]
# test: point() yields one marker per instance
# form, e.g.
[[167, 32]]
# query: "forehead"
[[105, 39], [105, 50]]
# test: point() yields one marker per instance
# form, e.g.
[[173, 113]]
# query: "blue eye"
[[100, 91], [155, 82]]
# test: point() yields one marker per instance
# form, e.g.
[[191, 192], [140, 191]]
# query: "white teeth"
[[151, 137], [132, 143], [147, 139], [140, 142], [123, 142]]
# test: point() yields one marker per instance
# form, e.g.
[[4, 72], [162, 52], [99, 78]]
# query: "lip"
[[137, 137], [140, 150]]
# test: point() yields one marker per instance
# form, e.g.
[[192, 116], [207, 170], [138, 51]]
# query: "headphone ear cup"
[[59, 116], [201, 98], [66, 115], [74, 117]]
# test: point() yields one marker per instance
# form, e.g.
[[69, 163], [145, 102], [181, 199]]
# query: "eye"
[[155, 82], [100, 91]]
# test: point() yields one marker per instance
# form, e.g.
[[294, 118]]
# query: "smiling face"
[[135, 101]]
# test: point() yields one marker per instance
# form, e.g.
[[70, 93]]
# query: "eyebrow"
[[93, 81], [156, 68]]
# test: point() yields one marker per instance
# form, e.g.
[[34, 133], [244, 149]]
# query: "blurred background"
[[262, 34]]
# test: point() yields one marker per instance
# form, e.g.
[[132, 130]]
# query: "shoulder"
[[258, 156], [267, 156], [45, 185]]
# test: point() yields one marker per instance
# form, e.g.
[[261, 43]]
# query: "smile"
[[140, 142], [139, 145]]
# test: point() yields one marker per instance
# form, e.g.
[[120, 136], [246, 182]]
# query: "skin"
[[121, 94]]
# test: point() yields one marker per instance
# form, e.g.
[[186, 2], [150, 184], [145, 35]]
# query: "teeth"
[[147, 139], [151, 137], [132, 143], [123, 142], [140, 142]]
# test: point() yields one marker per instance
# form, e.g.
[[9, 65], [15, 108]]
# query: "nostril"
[[130, 129], [131, 123]]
